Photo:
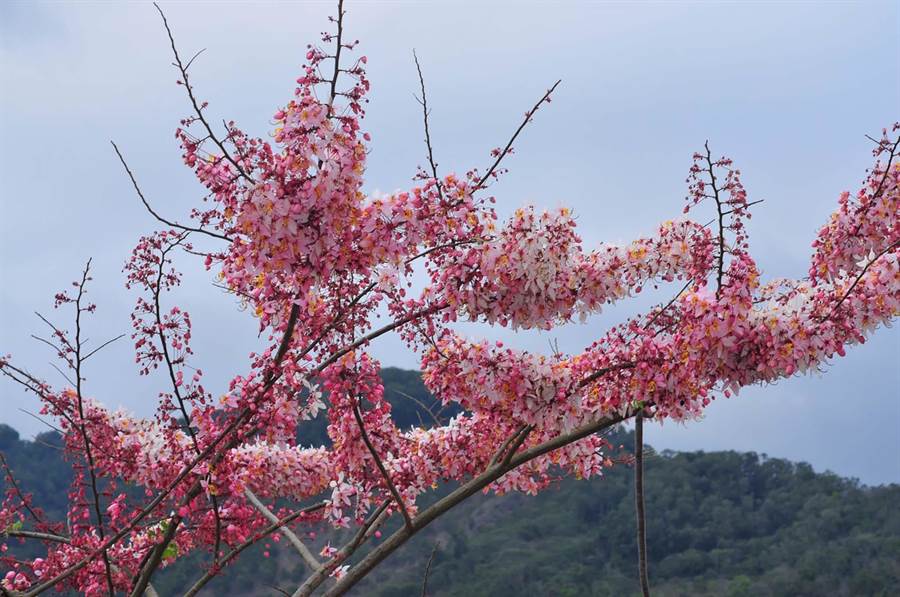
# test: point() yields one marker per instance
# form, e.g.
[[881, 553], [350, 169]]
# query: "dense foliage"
[[720, 524]]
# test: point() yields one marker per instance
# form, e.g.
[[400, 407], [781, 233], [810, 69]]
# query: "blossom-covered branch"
[[317, 261]]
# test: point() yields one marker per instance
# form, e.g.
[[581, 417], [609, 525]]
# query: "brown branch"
[[859, 277], [489, 475], [198, 110], [156, 553], [427, 570], [517, 443], [420, 403], [424, 103], [82, 427], [153, 212], [170, 367], [379, 332], [659, 313], [150, 507], [528, 115], [337, 56], [39, 536], [887, 172], [32, 384], [17, 489], [365, 531], [51, 537], [601, 372], [270, 379], [102, 346], [301, 548], [731, 211], [64, 376], [47, 423], [639, 502], [384, 473], [210, 574], [721, 257], [463, 492]]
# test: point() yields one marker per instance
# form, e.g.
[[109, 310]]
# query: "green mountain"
[[719, 523]]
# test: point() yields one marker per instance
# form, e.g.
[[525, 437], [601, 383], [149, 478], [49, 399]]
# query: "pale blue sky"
[[788, 89]]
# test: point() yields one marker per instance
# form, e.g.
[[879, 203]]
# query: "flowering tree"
[[313, 258]]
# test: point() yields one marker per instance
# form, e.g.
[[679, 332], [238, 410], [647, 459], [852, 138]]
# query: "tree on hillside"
[[290, 232]]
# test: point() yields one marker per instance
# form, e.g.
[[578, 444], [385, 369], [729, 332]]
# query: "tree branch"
[[301, 548], [502, 154], [427, 570], [384, 473], [424, 104], [427, 516], [198, 110], [153, 212], [639, 502], [210, 574]]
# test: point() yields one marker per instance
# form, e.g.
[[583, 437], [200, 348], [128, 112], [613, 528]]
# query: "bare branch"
[[517, 443], [420, 403], [198, 109], [210, 574], [639, 502], [37, 535], [153, 212], [301, 548], [379, 332], [16, 489], [34, 416], [424, 103], [427, 570], [502, 449], [384, 473], [720, 258], [104, 345], [502, 154]]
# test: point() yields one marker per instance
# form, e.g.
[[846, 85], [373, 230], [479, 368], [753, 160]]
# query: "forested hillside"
[[719, 523]]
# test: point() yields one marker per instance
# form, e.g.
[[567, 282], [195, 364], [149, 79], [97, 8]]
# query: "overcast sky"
[[788, 89]]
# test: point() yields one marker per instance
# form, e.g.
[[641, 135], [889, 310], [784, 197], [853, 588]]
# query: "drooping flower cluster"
[[315, 259]]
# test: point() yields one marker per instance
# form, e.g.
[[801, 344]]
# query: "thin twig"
[[198, 110], [427, 570], [102, 346], [48, 424], [152, 211], [424, 104], [420, 403], [859, 277], [82, 426], [17, 489], [301, 548], [506, 149], [210, 574], [720, 259]]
